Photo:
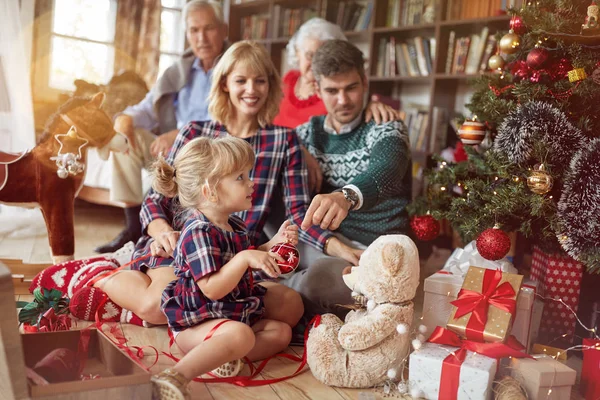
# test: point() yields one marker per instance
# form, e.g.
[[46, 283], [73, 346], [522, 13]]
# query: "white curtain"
[[17, 128]]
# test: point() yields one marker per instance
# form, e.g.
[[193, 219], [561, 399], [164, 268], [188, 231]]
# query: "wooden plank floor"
[[98, 224]]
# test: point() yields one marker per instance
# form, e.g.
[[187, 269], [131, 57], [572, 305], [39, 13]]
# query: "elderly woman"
[[300, 100]]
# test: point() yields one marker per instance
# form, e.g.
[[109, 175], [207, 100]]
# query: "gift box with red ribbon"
[[590, 370], [450, 368], [559, 277], [486, 305]]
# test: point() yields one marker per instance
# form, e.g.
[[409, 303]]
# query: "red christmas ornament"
[[517, 25], [290, 254], [425, 227], [537, 58], [493, 244]]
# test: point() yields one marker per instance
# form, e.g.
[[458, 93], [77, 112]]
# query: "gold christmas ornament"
[[496, 62], [540, 181], [577, 74], [510, 42], [472, 132]]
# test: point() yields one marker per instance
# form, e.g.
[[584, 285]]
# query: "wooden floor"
[[97, 224]]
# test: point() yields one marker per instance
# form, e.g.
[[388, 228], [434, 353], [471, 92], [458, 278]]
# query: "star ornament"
[[70, 142]]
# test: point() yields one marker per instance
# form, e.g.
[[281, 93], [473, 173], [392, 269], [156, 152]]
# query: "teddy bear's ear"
[[392, 258]]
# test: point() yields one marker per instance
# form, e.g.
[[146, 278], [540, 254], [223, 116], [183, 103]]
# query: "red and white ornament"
[[472, 132], [425, 227], [290, 254], [493, 244]]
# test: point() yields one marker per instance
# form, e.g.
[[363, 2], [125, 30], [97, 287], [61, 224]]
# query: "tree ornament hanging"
[[539, 180], [472, 131], [425, 227], [591, 26], [291, 257], [493, 244], [577, 74], [537, 58], [496, 62], [510, 42], [517, 25]]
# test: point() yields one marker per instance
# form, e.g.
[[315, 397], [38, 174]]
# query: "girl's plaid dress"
[[279, 162], [203, 249]]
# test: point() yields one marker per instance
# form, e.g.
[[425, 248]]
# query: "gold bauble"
[[496, 62], [510, 42], [540, 181]]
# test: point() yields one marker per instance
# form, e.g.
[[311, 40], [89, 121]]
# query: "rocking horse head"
[[91, 123]]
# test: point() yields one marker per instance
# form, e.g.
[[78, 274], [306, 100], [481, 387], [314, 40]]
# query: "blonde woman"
[[244, 99], [214, 311]]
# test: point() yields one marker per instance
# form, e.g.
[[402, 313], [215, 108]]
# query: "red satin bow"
[[450, 378], [469, 301]]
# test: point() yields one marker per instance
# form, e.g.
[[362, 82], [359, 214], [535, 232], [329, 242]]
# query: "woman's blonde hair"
[[202, 161], [255, 57]]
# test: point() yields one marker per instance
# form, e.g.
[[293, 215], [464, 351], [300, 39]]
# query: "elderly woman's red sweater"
[[293, 111]]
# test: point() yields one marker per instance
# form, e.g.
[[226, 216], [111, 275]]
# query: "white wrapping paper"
[[476, 373], [461, 259]]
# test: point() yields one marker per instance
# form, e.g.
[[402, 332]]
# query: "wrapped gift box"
[[590, 370], [120, 378], [544, 378], [559, 277], [441, 288], [475, 380]]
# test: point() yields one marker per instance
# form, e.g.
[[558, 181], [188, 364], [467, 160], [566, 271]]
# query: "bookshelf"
[[437, 87]]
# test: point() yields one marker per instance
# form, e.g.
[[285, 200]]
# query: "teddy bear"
[[373, 340]]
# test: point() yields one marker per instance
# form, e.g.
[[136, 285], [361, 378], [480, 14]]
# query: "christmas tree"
[[541, 105]]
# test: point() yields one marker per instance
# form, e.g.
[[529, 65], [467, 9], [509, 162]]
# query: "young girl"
[[213, 266]]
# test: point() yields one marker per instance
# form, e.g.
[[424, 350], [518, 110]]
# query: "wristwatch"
[[350, 196]]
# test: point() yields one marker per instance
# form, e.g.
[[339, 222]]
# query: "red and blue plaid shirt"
[[279, 162], [203, 249]]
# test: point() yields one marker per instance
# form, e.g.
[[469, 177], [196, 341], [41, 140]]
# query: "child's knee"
[[240, 339], [285, 334], [294, 307]]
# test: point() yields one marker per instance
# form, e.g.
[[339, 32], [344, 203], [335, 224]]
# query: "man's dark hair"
[[337, 57]]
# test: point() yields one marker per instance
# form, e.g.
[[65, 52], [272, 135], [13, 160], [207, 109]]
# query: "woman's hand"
[[336, 248], [380, 112], [163, 143], [315, 175], [263, 260], [165, 238]]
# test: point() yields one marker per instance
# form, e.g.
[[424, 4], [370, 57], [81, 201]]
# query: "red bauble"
[[425, 227], [493, 244], [517, 25], [537, 58], [290, 254]]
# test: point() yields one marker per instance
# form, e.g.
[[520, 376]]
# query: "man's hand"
[[326, 210], [380, 112], [163, 143], [124, 125], [315, 175], [336, 248]]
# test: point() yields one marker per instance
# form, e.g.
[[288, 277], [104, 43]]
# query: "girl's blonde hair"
[[251, 55], [202, 161]]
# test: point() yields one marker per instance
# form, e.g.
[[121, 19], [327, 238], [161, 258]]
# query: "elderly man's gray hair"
[[197, 5], [314, 28]]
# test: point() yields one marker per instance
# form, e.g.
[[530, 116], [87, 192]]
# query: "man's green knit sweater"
[[374, 158]]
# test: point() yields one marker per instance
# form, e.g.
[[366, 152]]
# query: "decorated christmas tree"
[[538, 169]]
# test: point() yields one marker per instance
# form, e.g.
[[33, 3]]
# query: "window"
[[172, 33], [81, 42]]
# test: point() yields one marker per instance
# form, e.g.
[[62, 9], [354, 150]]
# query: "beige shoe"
[[169, 385], [229, 369]]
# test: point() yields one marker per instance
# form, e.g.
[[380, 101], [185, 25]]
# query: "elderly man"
[[179, 96]]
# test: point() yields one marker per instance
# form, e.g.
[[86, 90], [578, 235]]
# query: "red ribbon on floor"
[[450, 379], [469, 301], [248, 381]]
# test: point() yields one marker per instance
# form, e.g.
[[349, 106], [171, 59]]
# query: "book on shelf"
[[416, 119], [478, 44], [467, 9], [353, 15], [450, 56], [255, 26], [422, 56], [290, 19], [410, 12], [469, 54], [487, 53]]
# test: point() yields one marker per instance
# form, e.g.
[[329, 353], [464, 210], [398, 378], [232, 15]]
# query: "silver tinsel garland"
[[579, 205], [538, 123]]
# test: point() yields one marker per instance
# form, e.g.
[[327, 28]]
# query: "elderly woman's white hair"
[[314, 28]]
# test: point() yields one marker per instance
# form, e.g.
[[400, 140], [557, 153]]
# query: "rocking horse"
[[51, 174]]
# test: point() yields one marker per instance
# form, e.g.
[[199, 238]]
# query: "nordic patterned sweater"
[[374, 158]]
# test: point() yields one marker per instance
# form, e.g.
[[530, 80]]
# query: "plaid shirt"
[[203, 249], [279, 161]]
